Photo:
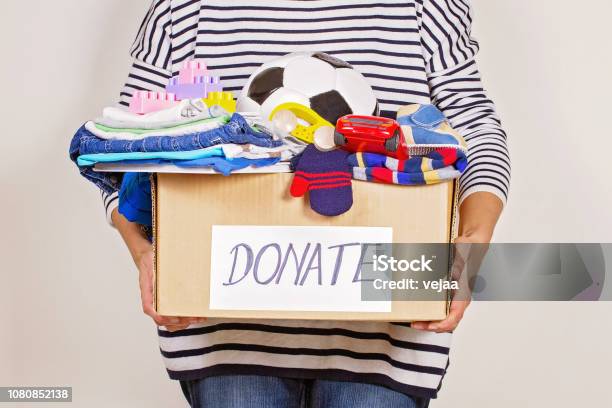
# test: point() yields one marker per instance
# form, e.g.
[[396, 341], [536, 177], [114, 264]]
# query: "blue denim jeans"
[[237, 131], [251, 391]]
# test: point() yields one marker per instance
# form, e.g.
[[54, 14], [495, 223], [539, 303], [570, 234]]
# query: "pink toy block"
[[191, 70], [200, 88], [146, 102]]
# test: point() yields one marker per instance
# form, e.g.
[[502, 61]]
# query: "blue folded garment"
[[88, 160], [226, 166], [219, 164], [135, 198]]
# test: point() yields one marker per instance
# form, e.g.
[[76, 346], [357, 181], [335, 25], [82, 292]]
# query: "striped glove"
[[327, 178]]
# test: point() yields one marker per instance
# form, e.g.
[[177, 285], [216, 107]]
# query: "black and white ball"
[[327, 85]]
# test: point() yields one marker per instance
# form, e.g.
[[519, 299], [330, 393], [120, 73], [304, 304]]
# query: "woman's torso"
[[381, 40]]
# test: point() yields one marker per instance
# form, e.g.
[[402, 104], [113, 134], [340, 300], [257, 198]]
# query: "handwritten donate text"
[[296, 264]]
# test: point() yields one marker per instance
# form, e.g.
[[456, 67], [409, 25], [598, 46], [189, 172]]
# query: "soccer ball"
[[325, 84]]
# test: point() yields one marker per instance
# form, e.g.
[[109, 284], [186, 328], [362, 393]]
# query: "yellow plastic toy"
[[304, 133], [223, 99]]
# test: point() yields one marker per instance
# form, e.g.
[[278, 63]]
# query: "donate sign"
[[291, 268]]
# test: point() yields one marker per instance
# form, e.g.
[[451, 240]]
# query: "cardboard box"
[[195, 215]]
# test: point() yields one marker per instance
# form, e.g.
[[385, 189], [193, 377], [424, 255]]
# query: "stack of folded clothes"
[[189, 134], [436, 151]]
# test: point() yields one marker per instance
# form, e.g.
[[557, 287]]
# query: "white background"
[[69, 303]]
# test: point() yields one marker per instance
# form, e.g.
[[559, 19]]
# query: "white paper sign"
[[291, 268]]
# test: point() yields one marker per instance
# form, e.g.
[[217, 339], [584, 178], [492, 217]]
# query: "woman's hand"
[[144, 262], [142, 254], [478, 216], [466, 249]]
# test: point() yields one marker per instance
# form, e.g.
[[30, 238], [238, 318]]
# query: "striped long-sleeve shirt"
[[411, 51]]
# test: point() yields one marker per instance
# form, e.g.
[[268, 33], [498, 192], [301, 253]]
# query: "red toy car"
[[371, 134]]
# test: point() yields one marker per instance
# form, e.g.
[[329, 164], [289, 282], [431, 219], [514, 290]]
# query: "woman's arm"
[[479, 213], [133, 236], [478, 216], [150, 71], [457, 90], [142, 254]]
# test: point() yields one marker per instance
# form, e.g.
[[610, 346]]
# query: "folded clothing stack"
[[436, 151], [188, 134]]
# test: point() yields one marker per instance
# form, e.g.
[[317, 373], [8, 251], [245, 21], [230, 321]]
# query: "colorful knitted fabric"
[[437, 152], [439, 165]]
